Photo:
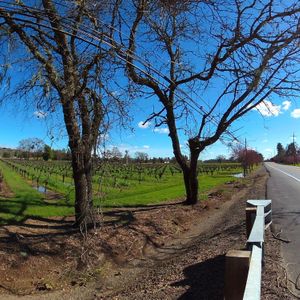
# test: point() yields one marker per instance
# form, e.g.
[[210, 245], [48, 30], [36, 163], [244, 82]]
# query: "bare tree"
[[116, 154], [246, 156], [31, 146], [141, 156], [67, 69], [208, 63]]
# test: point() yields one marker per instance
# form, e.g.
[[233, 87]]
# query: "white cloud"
[[130, 148], [295, 113], [265, 141], [144, 125], [115, 93], [104, 136], [268, 109], [163, 130], [286, 105], [236, 142], [7, 146], [269, 150], [40, 114]]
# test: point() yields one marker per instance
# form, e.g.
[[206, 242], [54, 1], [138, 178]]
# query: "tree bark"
[[82, 174], [72, 76], [191, 180], [191, 187]]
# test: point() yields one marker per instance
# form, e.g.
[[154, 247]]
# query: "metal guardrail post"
[[250, 217], [236, 272]]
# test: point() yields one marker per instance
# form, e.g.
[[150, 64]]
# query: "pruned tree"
[[141, 156], [126, 157], [31, 147], [47, 153], [221, 158], [116, 154], [208, 63], [68, 70]]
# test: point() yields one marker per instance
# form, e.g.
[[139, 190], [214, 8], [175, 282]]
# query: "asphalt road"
[[284, 191]]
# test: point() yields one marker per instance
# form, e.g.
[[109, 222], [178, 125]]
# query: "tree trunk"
[[191, 180], [191, 187], [82, 174]]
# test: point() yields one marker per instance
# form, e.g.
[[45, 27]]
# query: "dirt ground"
[[167, 251]]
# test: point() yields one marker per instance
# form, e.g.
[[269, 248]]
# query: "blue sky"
[[263, 128]]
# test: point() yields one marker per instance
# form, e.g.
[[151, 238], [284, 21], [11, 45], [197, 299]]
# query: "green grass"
[[27, 202], [157, 192]]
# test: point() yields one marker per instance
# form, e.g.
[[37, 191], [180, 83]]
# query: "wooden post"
[[250, 217], [236, 272]]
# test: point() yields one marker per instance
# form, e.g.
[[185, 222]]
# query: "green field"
[[114, 186], [26, 201]]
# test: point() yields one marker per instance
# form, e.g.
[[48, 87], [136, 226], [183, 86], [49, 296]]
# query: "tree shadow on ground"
[[41, 236], [16, 210], [125, 215], [205, 280], [144, 206], [38, 235]]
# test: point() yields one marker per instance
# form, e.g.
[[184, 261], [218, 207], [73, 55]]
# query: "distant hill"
[[8, 152]]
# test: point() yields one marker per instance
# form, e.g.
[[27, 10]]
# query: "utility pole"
[[294, 149], [245, 159]]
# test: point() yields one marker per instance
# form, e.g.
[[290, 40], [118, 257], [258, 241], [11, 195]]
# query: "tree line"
[[35, 148], [287, 155]]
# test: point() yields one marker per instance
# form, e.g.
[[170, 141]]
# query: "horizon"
[[261, 127]]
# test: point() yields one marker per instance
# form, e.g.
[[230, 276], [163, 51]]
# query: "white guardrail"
[[244, 267], [255, 243]]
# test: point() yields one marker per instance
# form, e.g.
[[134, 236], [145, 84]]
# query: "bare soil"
[[167, 251], [4, 189]]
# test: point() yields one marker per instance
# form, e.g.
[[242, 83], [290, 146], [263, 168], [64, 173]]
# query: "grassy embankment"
[[27, 202]]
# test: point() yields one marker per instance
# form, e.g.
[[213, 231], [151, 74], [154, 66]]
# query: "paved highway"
[[284, 191]]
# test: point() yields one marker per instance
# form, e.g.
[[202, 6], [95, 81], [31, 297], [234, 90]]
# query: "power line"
[[92, 35], [134, 57], [146, 64]]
